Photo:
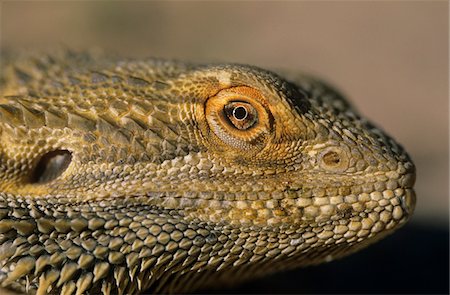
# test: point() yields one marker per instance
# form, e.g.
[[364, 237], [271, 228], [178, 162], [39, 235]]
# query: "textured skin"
[[163, 193]]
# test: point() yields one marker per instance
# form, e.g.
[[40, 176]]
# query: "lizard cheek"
[[333, 159]]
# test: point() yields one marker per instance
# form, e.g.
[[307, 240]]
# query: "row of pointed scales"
[[123, 130], [101, 248]]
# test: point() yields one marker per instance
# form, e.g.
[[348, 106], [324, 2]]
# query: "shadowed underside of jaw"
[[124, 176]]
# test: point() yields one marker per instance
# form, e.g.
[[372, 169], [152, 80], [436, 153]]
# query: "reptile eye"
[[239, 117], [241, 114], [51, 165]]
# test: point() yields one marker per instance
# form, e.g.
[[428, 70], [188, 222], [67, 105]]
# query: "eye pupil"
[[240, 113]]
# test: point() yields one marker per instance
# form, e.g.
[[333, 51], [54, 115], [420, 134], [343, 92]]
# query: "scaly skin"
[[129, 175]]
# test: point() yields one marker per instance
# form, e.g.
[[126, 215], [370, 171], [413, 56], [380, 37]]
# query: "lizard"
[[121, 175]]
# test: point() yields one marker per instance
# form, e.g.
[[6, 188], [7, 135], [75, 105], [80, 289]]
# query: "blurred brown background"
[[390, 58]]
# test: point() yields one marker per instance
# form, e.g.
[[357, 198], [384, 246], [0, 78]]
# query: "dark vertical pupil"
[[240, 113]]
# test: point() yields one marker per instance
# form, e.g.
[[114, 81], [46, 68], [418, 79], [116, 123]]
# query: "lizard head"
[[123, 176]]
